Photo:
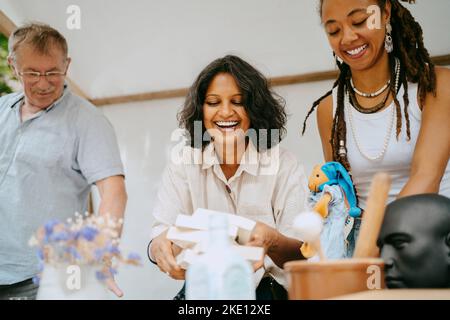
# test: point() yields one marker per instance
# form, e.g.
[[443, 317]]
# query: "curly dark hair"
[[416, 64], [265, 108]]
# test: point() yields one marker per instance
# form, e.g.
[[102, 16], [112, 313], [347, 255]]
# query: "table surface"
[[398, 294]]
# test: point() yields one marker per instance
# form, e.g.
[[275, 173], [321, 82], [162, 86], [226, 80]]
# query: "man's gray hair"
[[40, 36]]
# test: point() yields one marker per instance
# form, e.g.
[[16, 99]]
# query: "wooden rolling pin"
[[366, 244]]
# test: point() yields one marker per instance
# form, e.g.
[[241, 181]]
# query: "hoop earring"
[[388, 42]]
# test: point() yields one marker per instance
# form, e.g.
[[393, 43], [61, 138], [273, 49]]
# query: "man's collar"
[[16, 101], [21, 96]]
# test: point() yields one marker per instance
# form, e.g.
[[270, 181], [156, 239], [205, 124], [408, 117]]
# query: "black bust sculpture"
[[415, 242]]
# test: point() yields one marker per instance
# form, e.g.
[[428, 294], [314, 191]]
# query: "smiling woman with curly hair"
[[265, 109], [232, 104]]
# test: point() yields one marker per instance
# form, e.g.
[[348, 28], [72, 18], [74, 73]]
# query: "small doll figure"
[[333, 197]]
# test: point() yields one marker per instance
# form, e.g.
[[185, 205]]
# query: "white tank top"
[[371, 130]]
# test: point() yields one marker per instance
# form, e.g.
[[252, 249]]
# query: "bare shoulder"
[[441, 100], [325, 107], [325, 112], [325, 125], [443, 82], [443, 72]]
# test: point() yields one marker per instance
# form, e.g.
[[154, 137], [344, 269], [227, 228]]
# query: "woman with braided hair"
[[389, 109]]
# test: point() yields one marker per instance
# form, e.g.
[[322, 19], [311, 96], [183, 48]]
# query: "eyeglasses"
[[34, 76]]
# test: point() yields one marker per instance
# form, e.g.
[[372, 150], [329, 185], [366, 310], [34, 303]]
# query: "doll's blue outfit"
[[341, 227]]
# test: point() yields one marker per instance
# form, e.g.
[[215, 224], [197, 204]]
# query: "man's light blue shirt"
[[47, 166]]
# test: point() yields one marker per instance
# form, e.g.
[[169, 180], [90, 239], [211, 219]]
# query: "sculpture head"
[[415, 242]]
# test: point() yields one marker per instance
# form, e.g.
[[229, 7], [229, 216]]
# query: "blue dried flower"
[[113, 249], [50, 225], [40, 254], [113, 271], [41, 266], [100, 276], [73, 252], [98, 254], [76, 235], [89, 233], [134, 256], [60, 236]]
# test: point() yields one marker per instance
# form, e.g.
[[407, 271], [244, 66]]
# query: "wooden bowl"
[[332, 278]]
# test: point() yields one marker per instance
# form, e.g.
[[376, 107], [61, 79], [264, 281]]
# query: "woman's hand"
[[262, 236], [277, 246], [164, 251]]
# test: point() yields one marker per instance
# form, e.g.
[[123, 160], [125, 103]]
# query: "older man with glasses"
[[54, 146]]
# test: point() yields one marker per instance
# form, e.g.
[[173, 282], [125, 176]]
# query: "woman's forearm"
[[284, 249], [420, 183]]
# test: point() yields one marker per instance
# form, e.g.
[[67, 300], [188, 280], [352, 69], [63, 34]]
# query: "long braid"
[[409, 47], [418, 68], [339, 129], [398, 111], [406, 104], [316, 103]]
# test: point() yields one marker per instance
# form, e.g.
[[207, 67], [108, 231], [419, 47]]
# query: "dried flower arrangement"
[[84, 240]]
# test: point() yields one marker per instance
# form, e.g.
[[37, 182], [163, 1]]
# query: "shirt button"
[[228, 189]]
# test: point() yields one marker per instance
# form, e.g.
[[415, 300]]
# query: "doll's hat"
[[337, 174]]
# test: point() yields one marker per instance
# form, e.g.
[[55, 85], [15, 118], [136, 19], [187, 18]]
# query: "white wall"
[[126, 47], [143, 131], [8, 8]]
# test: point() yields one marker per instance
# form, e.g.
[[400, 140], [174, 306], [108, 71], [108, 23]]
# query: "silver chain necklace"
[[387, 138]]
